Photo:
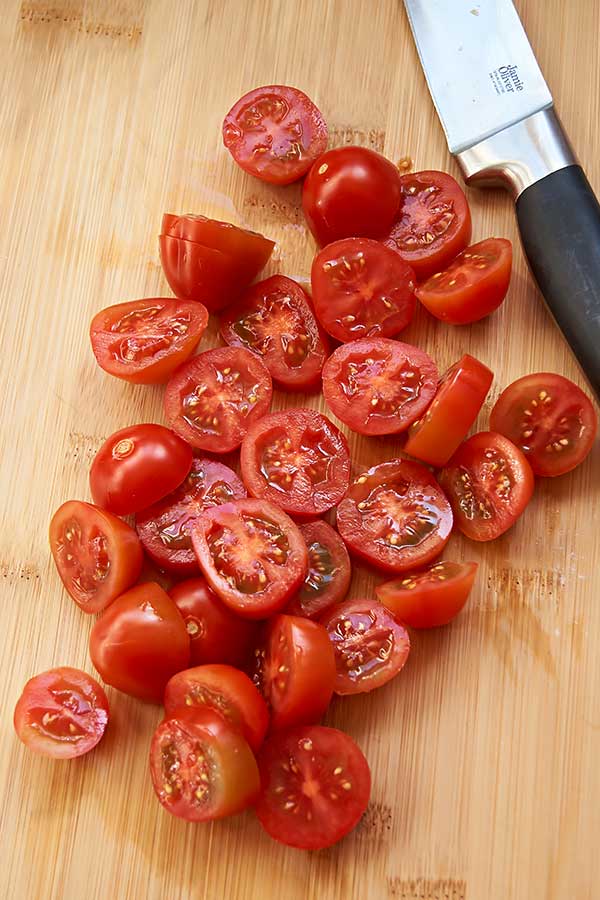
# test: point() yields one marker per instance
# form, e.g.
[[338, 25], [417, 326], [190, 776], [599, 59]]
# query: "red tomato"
[[62, 713], [431, 597], [489, 483], [351, 192], [550, 419], [252, 555], [451, 413], [217, 635], [137, 466], [164, 528], [362, 289], [315, 786], [275, 320], [201, 767], [473, 286], [297, 459], [395, 516], [97, 555], [328, 577], [145, 340], [434, 224], [212, 399], [224, 690], [275, 133], [379, 386], [140, 642], [370, 645], [295, 671]]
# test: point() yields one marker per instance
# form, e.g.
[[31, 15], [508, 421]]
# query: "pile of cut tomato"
[[247, 647]]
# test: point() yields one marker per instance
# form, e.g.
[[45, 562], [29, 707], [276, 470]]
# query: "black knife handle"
[[559, 221]]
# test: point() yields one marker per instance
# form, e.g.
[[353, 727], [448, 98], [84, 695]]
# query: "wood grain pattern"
[[485, 752]]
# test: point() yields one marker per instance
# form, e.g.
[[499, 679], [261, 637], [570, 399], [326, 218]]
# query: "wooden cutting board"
[[486, 780]]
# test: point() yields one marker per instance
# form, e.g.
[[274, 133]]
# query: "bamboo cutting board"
[[485, 750]]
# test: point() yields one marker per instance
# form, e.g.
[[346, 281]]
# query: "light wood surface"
[[486, 781]]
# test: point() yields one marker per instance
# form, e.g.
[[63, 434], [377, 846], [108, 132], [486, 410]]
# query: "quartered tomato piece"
[[328, 577], [550, 419], [252, 555], [489, 483], [212, 399], [431, 597], [202, 768], [370, 645], [295, 671], [145, 340], [97, 555], [275, 132], [379, 386], [446, 423], [395, 516], [362, 289], [62, 713], [164, 528], [434, 224], [298, 459], [275, 320]]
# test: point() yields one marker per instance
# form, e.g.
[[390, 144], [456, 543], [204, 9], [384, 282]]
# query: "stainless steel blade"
[[479, 65]]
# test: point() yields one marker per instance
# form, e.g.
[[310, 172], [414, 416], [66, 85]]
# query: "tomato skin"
[[275, 133], [140, 642], [109, 546], [62, 713], [550, 419], [329, 571], [190, 744], [350, 192], [143, 341], [313, 766], [487, 471], [430, 598], [447, 420]]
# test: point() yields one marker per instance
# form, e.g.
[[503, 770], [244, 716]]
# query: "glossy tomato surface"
[[61, 713], [431, 597], [298, 459], [379, 386], [329, 571]]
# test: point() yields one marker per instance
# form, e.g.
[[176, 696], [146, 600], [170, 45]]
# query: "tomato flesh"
[[328, 577], [429, 598]]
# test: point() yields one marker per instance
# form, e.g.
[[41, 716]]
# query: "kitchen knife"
[[500, 124]]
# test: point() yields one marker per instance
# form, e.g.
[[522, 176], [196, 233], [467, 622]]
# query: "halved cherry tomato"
[[379, 386], [144, 341], [395, 516], [275, 320], [137, 466], [225, 690], [489, 483], [164, 528], [252, 555], [434, 224], [370, 645], [212, 399], [431, 597], [202, 768], [140, 642], [362, 289], [550, 419], [275, 132], [295, 671], [351, 192], [328, 577], [298, 459], [96, 554], [315, 786], [62, 713], [451, 413], [217, 635], [473, 286]]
